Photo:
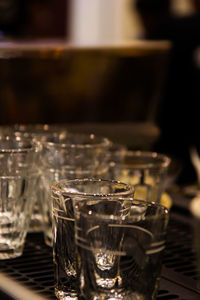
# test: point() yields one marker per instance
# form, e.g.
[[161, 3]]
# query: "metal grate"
[[35, 268], [180, 276]]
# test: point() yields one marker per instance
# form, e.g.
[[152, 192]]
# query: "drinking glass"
[[36, 132], [69, 157], [31, 130], [64, 193], [116, 153], [17, 182], [120, 244], [146, 171]]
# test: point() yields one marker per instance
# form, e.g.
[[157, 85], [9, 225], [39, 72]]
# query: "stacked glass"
[[106, 244], [17, 181]]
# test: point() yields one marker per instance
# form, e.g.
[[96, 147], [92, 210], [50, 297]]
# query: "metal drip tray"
[[180, 274]]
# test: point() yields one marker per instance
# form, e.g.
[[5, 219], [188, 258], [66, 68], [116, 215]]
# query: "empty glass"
[[146, 171], [35, 131], [120, 244], [69, 157], [17, 182], [64, 193]]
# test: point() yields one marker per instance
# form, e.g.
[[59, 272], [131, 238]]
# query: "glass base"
[[6, 253], [36, 224], [117, 296], [65, 295], [48, 239]]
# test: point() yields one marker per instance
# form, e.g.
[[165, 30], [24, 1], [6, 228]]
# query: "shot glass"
[[146, 171], [70, 157], [64, 193], [17, 182], [120, 245]]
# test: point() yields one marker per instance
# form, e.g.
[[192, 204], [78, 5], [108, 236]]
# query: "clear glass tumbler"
[[70, 157], [146, 171], [120, 244], [36, 132], [64, 193], [17, 182]]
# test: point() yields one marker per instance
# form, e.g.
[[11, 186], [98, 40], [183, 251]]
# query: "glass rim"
[[65, 169], [19, 176], [101, 142], [55, 188], [32, 131], [38, 130], [38, 126], [32, 146], [163, 163], [164, 211]]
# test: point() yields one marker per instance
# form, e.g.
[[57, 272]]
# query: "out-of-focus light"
[[1, 34], [182, 7]]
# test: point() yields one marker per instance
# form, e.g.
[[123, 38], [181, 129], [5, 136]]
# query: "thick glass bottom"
[[62, 295], [6, 253]]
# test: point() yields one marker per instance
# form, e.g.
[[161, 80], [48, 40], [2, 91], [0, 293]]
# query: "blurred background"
[[129, 69]]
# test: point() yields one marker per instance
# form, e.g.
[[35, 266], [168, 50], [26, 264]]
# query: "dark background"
[[160, 89]]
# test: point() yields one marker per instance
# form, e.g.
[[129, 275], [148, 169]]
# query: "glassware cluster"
[[98, 204]]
